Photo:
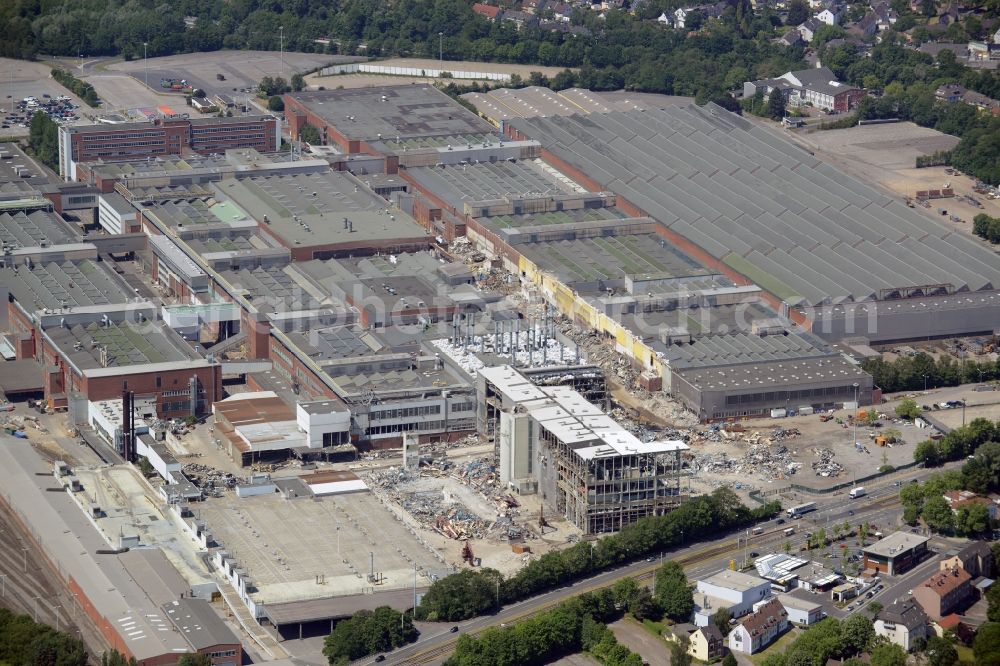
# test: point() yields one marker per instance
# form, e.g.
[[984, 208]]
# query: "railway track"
[[688, 560]]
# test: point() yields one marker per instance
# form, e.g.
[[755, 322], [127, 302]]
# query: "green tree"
[[908, 409], [367, 632], [927, 454], [673, 592], [194, 660], [798, 12], [937, 514], [986, 646], [43, 137], [115, 658], [298, 82], [940, 652], [972, 519], [275, 103], [874, 608], [888, 654], [856, 634], [776, 105], [722, 618], [309, 134], [460, 596], [993, 601], [729, 660], [678, 652]]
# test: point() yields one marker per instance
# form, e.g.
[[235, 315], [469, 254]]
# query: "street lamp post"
[[145, 64], [441, 49], [281, 49], [855, 442], [24, 556]]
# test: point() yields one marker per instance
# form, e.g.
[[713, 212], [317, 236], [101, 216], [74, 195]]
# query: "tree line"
[[959, 443], [986, 227], [915, 373], [618, 50], [925, 501], [43, 137], [24, 642], [82, 89], [574, 625], [469, 593], [368, 632]]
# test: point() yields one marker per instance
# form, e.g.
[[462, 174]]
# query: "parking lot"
[[240, 69], [20, 79]]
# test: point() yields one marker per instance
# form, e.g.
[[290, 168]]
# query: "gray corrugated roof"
[[740, 190]]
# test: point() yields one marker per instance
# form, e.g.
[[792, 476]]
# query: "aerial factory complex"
[[539, 307]]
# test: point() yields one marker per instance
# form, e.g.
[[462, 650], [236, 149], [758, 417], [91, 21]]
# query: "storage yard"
[[886, 154]]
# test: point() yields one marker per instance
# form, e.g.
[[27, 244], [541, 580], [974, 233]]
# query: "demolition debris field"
[[801, 449]]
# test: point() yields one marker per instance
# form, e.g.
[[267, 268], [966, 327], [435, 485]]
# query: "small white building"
[[801, 612], [831, 15], [903, 623], [734, 590]]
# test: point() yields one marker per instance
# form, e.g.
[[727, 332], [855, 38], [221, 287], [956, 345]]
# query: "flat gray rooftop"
[[795, 226], [489, 181], [311, 209], [34, 230], [349, 269], [336, 342], [896, 543], [67, 284], [553, 218], [743, 347], [507, 103], [198, 622], [393, 111], [272, 289], [126, 344], [611, 257], [30, 175], [827, 369]]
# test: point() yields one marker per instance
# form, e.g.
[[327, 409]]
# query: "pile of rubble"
[[444, 515], [825, 465], [204, 476]]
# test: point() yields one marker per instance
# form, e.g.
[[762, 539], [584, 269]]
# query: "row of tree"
[[926, 502], [24, 642], [957, 444], [922, 371], [574, 625], [986, 227], [43, 137], [470, 593], [368, 632], [81, 89]]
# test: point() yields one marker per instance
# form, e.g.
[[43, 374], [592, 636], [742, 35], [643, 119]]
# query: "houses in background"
[[952, 93], [817, 87]]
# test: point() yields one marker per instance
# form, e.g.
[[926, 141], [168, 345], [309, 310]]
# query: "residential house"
[[959, 498], [521, 19], [561, 11], [664, 19], [951, 93], [996, 37], [953, 623], [949, 15], [734, 590], [487, 11], [902, 624], [975, 557], [704, 643], [866, 27], [831, 14], [681, 14], [760, 628], [886, 16], [791, 38], [982, 52], [992, 106], [801, 612], [809, 28], [945, 592], [817, 87]]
